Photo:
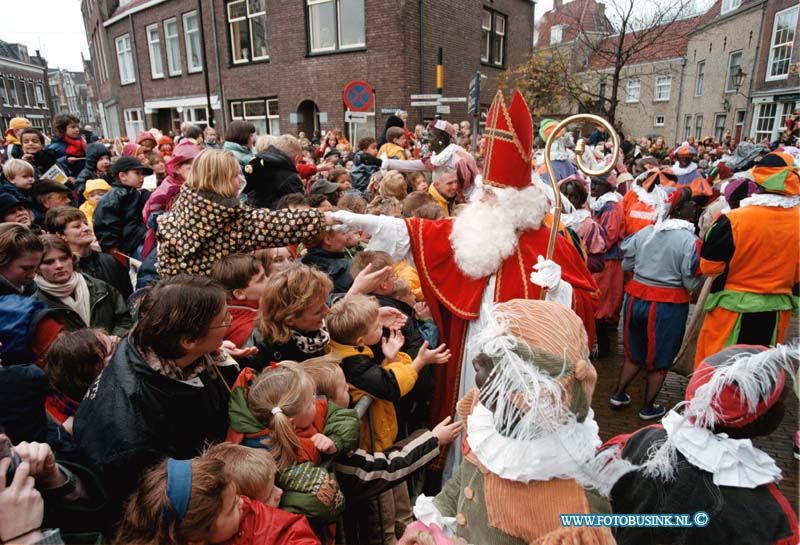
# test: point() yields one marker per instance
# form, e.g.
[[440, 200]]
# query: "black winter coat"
[[335, 264], [132, 417], [93, 154], [272, 174], [104, 267], [118, 219]]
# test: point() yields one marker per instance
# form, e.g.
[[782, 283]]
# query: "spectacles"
[[226, 323]]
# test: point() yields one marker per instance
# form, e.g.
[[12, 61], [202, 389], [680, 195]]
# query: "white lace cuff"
[[425, 511]]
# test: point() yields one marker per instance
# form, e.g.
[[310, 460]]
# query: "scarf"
[[598, 203], [189, 375], [76, 147], [61, 405], [74, 293], [311, 343], [771, 199]]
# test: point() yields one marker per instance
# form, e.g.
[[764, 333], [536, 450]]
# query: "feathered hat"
[[508, 143]]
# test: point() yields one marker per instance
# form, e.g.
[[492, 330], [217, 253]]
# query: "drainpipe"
[[135, 65], [421, 48], [219, 70], [205, 62], [680, 97], [753, 80]]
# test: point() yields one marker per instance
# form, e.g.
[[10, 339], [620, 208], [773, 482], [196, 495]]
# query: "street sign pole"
[[473, 107]]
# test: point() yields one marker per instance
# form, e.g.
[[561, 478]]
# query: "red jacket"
[[243, 314], [265, 525]]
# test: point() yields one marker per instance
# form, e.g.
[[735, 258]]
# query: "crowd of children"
[[194, 350]]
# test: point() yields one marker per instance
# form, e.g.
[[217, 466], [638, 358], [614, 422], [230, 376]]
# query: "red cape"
[[454, 298]]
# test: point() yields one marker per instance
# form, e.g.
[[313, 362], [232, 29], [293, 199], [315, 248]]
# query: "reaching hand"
[[446, 431], [391, 318], [323, 444], [368, 280], [236, 352], [21, 505], [423, 311], [426, 356], [391, 346]]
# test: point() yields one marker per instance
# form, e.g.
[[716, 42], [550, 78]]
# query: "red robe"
[[454, 298]]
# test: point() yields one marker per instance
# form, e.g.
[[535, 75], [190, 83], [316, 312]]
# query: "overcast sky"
[[55, 27]]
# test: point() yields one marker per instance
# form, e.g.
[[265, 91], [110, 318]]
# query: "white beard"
[[485, 234]]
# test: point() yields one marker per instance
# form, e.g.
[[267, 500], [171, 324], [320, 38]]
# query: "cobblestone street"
[[614, 421]]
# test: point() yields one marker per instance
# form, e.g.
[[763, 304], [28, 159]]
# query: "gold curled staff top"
[[580, 146]]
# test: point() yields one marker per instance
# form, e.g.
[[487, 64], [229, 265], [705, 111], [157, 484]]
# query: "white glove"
[[426, 511], [359, 222], [546, 273]]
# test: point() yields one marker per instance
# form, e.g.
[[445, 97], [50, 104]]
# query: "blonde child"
[[394, 148], [252, 469], [385, 206], [354, 328], [94, 191], [19, 177], [278, 410], [275, 259], [179, 502], [394, 185], [417, 181]]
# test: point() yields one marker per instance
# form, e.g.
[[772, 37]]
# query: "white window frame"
[[30, 95], [174, 66], [724, 118], [6, 99], [763, 125], [271, 118], [700, 78], [154, 48], [729, 5], [127, 72], [687, 127], [629, 88], [248, 17], [188, 36], [501, 36], [40, 99], [134, 122], [657, 123], [790, 43], [486, 34], [698, 126], [556, 34], [190, 116], [729, 88], [659, 88], [337, 46]]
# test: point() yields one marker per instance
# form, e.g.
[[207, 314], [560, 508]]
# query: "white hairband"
[[276, 410]]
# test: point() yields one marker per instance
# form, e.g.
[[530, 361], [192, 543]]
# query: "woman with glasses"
[[164, 391]]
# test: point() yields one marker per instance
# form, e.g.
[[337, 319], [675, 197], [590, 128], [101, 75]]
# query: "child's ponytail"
[[280, 392], [156, 514]]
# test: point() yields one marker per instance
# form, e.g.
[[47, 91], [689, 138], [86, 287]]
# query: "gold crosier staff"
[[580, 147]]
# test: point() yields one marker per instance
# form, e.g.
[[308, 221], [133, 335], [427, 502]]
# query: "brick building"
[[71, 93], [24, 91], [775, 87], [284, 65]]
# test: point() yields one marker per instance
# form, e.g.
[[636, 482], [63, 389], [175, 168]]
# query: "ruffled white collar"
[[598, 203], [678, 170], [771, 199], [444, 157], [575, 218], [672, 224], [651, 198], [562, 455], [732, 462]]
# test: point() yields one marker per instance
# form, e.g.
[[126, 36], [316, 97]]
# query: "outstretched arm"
[[389, 234]]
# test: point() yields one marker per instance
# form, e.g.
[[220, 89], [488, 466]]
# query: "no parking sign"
[[358, 96]]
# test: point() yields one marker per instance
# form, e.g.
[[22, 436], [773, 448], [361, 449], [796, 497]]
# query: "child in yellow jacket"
[[394, 148], [95, 189]]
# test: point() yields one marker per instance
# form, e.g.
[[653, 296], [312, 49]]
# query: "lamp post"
[[738, 79]]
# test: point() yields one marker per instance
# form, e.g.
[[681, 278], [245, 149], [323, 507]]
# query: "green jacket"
[[308, 489], [108, 309]]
